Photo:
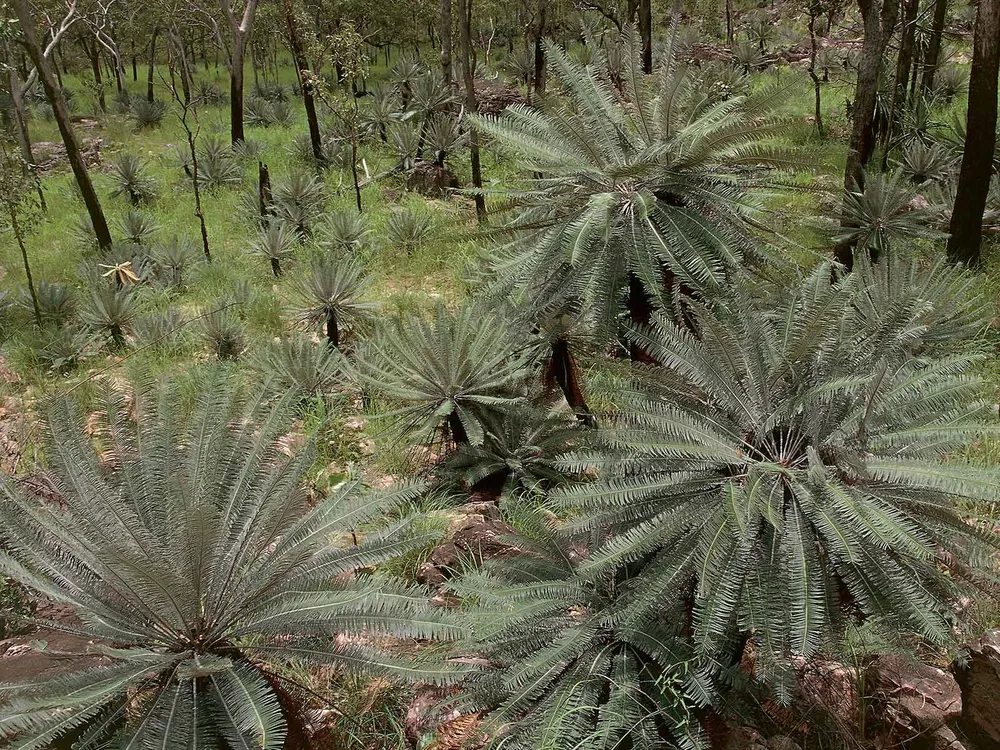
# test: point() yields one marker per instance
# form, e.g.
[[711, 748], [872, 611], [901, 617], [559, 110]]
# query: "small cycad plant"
[[195, 559]]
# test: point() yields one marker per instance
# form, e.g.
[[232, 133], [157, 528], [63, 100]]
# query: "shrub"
[[298, 364], [343, 231], [173, 258], [225, 334], [407, 229], [109, 311], [136, 227], [57, 302], [276, 242]]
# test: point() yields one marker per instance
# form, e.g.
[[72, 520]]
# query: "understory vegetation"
[[564, 376]]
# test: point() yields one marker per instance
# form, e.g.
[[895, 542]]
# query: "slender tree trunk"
[[150, 96], [934, 45], [646, 33], [22, 133], [730, 37], [92, 50], [236, 129], [135, 64], [980, 141], [903, 63], [302, 67], [469, 76], [814, 10], [446, 26], [540, 29], [73, 155], [879, 17], [19, 237]]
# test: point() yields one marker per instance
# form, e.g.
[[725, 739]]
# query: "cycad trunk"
[[457, 429], [563, 371], [980, 141], [640, 309], [73, 155], [332, 330]]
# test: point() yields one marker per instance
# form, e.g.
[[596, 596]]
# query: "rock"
[[830, 687], [978, 673], [477, 534], [493, 97], [430, 179], [783, 743], [912, 700], [745, 738]]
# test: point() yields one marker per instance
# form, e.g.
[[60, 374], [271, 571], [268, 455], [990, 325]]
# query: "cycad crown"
[[190, 545]]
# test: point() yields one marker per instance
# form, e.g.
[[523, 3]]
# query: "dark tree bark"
[[538, 80], [332, 331], [815, 8], [302, 67], [55, 97], [15, 225], [446, 44], [469, 76], [640, 309], [645, 11], [934, 45], [980, 141], [239, 33], [879, 17], [729, 23], [93, 52], [264, 199], [457, 429], [563, 371], [903, 62]]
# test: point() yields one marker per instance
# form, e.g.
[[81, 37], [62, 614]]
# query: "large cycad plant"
[[194, 560], [785, 476], [638, 191]]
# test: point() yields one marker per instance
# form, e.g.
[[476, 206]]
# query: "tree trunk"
[[934, 45], [646, 33], [469, 76], [640, 309], [93, 52], [879, 18], [236, 130], [152, 66], [814, 10], [15, 224], [980, 141], [446, 25], [730, 38], [903, 62], [539, 73], [302, 67], [73, 155], [21, 130]]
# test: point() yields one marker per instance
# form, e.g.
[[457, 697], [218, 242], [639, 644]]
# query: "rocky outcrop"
[[493, 97], [477, 534], [914, 704], [978, 673]]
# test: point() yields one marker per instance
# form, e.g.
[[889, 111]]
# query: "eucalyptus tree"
[[795, 466], [27, 24], [981, 138], [195, 557]]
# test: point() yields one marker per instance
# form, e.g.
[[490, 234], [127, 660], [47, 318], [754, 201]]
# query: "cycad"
[[174, 257], [334, 295], [225, 333], [448, 368], [638, 194], [56, 302], [519, 455], [299, 201], [147, 114], [343, 231], [882, 216], [108, 310], [276, 242], [136, 227], [563, 671], [791, 470], [921, 163], [194, 558], [298, 364], [131, 180]]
